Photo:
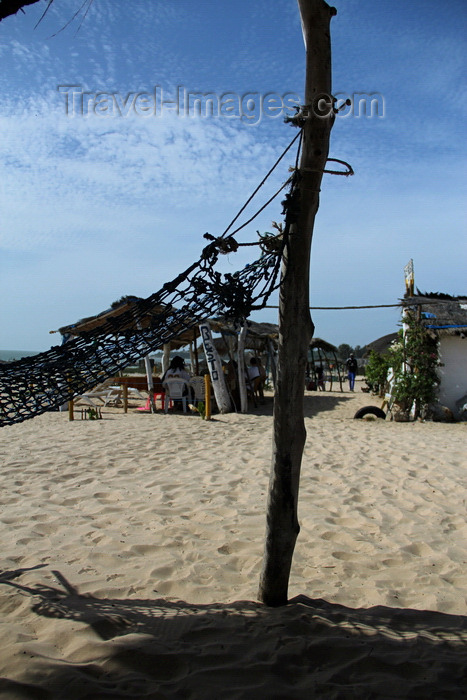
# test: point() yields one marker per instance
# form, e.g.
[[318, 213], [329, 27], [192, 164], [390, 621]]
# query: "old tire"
[[370, 411]]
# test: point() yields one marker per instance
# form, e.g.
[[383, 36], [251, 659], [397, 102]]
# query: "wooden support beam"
[[295, 325], [241, 374], [125, 398], [207, 397]]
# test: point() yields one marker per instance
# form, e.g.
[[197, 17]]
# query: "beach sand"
[[132, 547]]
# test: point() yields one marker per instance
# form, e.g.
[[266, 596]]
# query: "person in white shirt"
[[176, 369]]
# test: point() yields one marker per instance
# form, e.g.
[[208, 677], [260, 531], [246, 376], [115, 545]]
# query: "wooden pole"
[[195, 344], [207, 397], [241, 370], [125, 398], [150, 381], [71, 415], [165, 358], [273, 362], [295, 325]]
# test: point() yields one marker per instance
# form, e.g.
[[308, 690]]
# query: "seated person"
[[176, 369]]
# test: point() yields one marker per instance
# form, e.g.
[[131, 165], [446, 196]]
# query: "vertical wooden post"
[[295, 325], [195, 346], [71, 415], [125, 398], [241, 370], [147, 365], [273, 362], [165, 358], [207, 397]]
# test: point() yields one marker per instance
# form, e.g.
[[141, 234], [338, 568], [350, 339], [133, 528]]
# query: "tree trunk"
[[295, 325]]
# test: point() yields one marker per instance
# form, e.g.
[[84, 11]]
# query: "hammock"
[[44, 382]]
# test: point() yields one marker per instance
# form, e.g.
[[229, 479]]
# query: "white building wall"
[[453, 371]]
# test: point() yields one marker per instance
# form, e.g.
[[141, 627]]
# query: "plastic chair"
[[175, 390], [198, 386], [159, 393]]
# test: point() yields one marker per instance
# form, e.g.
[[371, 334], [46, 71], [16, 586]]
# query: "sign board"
[[212, 356], [215, 368]]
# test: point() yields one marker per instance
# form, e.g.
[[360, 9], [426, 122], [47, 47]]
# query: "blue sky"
[[94, 205]]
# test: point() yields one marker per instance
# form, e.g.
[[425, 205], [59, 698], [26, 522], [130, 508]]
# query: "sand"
[[132, 546]]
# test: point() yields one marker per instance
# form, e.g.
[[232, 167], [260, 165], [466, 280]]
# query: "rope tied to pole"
[[345, 173]]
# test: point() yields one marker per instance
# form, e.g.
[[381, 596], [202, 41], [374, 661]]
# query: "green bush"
[[376, 372], [414, 359]]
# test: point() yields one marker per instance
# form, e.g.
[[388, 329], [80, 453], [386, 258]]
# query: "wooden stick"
[[207, 397], [295, 325], [241, 370]]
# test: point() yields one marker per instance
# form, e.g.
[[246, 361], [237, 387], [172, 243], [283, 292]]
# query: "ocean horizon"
[[11, 355]]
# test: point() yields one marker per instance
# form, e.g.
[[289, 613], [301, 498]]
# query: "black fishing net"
[[44, 382]]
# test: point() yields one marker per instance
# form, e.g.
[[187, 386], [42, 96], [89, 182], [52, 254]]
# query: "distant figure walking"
[[320, 378], [256, 376], [352, 366]]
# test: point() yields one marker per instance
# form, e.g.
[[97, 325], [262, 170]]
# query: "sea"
[[11, 355]]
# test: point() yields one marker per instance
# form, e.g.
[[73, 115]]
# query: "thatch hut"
[[323, 355], [381, 345], [445, 317]]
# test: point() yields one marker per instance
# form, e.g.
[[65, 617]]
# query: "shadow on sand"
[[313, 404], [156, 649]]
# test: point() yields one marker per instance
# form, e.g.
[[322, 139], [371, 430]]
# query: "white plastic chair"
[[198, 386], [175, 389]]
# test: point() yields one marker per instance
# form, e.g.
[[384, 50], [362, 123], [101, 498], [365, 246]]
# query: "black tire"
[[370, 411]]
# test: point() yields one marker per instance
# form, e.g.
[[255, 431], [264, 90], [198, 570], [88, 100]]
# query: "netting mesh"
[[44, 382]]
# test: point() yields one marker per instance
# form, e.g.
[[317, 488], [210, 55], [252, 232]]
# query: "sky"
[[109, 193]]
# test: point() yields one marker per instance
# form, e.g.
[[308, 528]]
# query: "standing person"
[[256, 376], [352, 366], [320, 378]]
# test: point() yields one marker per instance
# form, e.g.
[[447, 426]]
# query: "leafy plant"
[[200, 408], [414, 359], [376, 372]]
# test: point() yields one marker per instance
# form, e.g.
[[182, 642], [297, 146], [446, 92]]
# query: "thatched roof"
[[322, 345], [381, 345], [441, 313], [257, 334], [120, 307], [257, 337]]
